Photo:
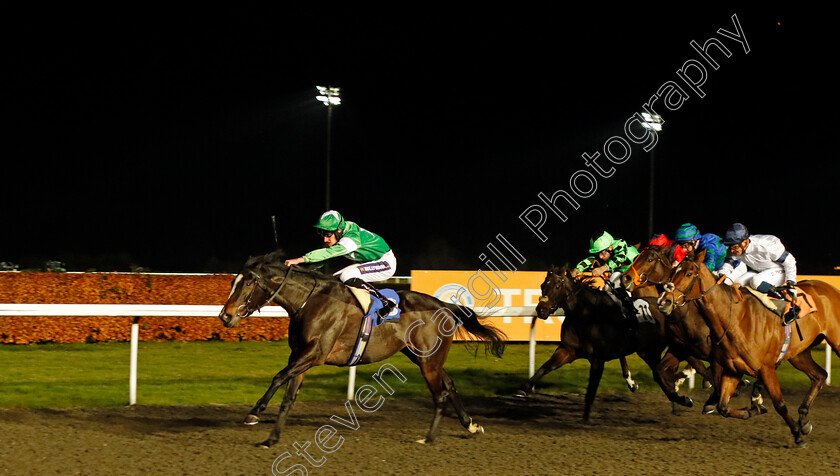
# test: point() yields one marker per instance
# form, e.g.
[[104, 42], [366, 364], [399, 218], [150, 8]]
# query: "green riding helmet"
[[601, 243], [330, 221]]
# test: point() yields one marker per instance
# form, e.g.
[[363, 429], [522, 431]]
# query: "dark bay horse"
[[749, 339], [595, 329], [324, 320]]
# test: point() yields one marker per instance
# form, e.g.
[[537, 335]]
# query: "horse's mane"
[[275, 260], [579, 283]]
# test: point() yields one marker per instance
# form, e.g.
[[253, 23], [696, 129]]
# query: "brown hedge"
[[128, 288]]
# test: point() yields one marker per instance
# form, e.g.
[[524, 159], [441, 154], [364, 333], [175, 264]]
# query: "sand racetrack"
[[629, 434]]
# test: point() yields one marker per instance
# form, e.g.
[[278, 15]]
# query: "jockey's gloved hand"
[[791, 289]]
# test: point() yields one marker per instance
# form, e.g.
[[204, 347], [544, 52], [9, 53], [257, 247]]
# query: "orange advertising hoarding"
[[492, 290]]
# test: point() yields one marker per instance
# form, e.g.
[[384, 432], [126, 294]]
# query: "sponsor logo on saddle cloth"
[[371, 318]]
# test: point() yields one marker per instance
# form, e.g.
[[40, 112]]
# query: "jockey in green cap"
[[615, 255], [373, 259]]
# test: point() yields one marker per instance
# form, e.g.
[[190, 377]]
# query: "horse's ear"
[[700, 257]]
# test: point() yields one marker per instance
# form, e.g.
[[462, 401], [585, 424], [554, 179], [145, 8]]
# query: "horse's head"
[[249, 291], [652, 266], [685, 283], [555, 290]]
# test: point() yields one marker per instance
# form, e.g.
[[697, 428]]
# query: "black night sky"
[[169, 141]]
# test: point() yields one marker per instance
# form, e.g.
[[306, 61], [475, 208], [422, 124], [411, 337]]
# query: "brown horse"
[[595, 328], [750, 339], [687, 332], [324, 322]]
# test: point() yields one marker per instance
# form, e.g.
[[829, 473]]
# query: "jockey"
[[374, 260], [659, 239], [759, 261], [616, 255], [688, 237]]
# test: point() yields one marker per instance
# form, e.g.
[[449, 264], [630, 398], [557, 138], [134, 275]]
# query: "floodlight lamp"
[[329, 95], [652, 121]]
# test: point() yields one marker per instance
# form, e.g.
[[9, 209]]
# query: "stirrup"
[[387, 307]]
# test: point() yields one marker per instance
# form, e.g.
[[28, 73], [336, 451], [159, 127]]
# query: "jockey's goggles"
[[325, 233]]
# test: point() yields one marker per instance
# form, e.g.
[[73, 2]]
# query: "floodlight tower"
[[330, 97], [653, 123]]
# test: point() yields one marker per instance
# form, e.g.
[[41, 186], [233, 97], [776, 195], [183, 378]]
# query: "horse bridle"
[[671, 287], [642, 278], [545, 299], [258, 281]]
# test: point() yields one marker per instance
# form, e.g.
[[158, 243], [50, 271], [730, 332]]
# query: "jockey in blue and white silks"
[[690, 239], [758, 261]]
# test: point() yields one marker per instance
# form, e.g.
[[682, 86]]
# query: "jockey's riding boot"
[[387, 304]]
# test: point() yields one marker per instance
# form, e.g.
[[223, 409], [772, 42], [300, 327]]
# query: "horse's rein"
[[258, 282], [694, 281]]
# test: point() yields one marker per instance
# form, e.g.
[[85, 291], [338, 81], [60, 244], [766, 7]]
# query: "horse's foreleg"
[[804, 362], [625, 372], [663, 374], [596, 370], [701, 369], [298, 364], [771, 383], [562, 356], [292, 390], [725, 386]]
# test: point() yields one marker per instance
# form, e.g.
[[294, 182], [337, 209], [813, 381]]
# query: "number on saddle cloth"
[[643, 314]]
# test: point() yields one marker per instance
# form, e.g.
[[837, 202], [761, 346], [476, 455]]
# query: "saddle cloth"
[[371, 319], [781, 306]]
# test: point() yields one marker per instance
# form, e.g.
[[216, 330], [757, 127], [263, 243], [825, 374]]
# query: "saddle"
[[780, 307], [371, 319]]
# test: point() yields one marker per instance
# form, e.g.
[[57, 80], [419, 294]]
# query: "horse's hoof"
[[707, 384], [708, 409], [806, 429], [475, 429], [800, 442], [520, 394], [251, 420], [633, 387], [687, 402], [761, 409], [421, 441], [264, 444]]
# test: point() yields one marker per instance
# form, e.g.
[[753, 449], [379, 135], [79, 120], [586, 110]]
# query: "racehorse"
[[750, 339], [324, 323], [687, 331], [595, 328]]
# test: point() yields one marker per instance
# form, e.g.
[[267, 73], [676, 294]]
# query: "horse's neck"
[[585, 300], [296, 290]]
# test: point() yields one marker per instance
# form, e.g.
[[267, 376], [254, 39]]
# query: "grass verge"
[[201, 373]]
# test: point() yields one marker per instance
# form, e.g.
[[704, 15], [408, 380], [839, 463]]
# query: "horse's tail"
[[494, 339]]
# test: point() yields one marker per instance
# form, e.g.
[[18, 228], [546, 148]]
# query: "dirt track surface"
[[629, 434]]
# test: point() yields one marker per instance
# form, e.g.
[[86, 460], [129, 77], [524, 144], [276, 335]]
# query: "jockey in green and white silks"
[[615, 255], [374, 260]]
